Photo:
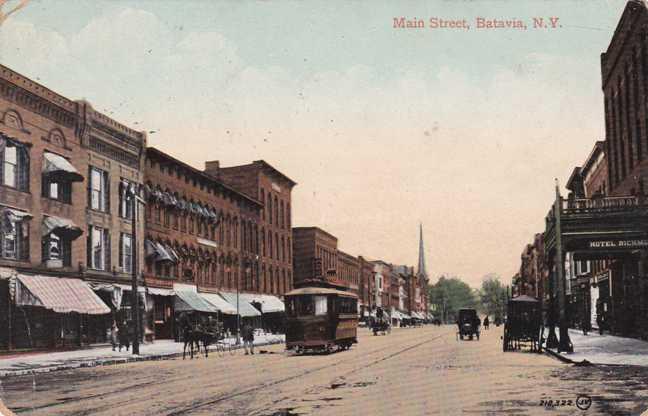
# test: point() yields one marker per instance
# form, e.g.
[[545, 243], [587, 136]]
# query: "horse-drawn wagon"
[[380, 322]]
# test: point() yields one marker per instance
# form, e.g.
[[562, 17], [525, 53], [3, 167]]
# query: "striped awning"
[[269, 303], [189, 301], [219, 303], [59, 168], [61, 295], [244, 307]]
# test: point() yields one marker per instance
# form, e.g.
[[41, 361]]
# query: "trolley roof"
[[320, 291]]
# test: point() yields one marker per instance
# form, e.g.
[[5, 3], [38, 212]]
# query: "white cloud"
[[373, 153]]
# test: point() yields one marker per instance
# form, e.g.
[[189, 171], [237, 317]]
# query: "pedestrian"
[[486, 322], [123, 336], [248, 338], [600, 319], [114, 331]]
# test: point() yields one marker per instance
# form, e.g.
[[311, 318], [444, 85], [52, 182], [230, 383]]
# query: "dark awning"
[[59, 169], [62, 227]]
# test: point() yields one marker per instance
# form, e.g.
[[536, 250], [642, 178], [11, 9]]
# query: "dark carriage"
[[320, 319], [380, 323], [468, 323], [523, 325]]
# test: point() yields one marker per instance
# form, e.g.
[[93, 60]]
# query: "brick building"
[[383, 279], [314, 256], [273, 230], [64, 228], [624, 73], [200, 236], [348, 271], [366, 286]]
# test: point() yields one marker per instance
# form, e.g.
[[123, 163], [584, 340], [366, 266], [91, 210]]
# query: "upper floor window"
[[263, 212], [126, 253], [14, 235], [98, 189], [57, 177], [60, 191], [98, 248], [125, 203], [14, 166]]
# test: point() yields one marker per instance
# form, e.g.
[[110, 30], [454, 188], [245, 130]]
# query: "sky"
[[382, 128]]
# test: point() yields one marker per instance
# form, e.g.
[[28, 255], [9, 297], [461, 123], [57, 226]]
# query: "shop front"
[[54, 312]]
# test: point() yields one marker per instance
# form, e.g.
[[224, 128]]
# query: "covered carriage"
[[523, 325]]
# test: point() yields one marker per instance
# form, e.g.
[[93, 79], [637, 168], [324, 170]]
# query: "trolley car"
[[523, 324], [320, 319]]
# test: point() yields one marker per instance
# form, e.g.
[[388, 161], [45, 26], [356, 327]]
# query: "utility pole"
[[134, 295], [238, 314], [564, 343]]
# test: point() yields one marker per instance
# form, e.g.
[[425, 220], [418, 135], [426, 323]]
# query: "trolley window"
[[347, 305], [320, 305], [301, 306]]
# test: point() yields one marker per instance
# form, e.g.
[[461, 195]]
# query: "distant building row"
[[214, 241]]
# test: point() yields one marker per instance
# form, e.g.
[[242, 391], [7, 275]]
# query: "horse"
[[190, 337]]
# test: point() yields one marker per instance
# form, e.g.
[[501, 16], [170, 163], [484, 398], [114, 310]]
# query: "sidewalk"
[[606, 349], [54, 361]]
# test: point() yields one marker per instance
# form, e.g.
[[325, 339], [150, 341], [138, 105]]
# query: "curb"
[[113, 361], [558, 356]]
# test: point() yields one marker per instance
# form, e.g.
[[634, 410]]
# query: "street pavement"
[[412, 371], [42, 362]]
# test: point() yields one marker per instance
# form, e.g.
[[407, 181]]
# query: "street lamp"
[[132, 194]]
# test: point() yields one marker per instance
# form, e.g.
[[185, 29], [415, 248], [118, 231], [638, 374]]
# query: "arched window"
[[281, 214], [262, 199], [263, 242], [288, 215], [276, 211], [269, 205], [270, 246]]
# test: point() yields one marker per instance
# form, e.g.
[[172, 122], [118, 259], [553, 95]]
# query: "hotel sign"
[[618, 244]]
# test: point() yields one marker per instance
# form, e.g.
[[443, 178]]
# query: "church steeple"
[[421, 272]]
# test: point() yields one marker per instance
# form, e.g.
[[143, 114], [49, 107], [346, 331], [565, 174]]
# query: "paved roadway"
[[412, 371]]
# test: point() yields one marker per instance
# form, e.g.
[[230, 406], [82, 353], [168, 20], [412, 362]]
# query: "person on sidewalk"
[[486, 322], [114, 331], [248, 338]]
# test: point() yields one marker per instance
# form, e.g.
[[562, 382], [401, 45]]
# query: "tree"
[[492, 296], [448, 295], [4, 15]]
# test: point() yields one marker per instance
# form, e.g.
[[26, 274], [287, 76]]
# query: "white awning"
[[160, 292], [244, 307], [159, 252], [219, 303], [269, 303], [59, 168], [16, 215], [62, 227]]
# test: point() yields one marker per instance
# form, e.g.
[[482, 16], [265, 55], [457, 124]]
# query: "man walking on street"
[[248, 338]]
